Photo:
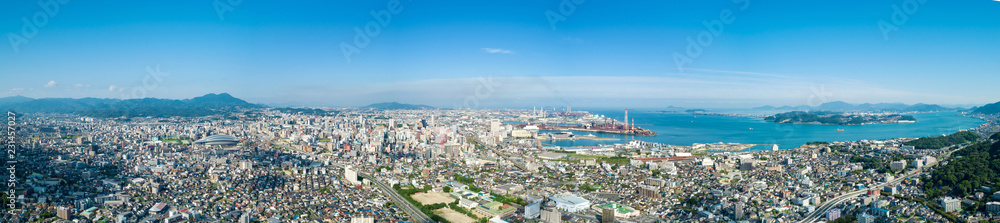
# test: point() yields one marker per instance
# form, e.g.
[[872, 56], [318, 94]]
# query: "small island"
[[837, 118]]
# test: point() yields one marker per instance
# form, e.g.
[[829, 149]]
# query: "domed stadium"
[[220, 140]]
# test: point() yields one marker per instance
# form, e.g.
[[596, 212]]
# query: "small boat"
[[840, 130]]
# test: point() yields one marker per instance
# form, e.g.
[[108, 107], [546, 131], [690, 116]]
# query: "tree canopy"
[[938, 142], [978, 165]]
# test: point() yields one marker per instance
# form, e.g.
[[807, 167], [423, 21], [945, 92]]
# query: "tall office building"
[[351, 175], [551, 215], [649, 191], [495, 126], [738, 210], [245, 217], [532, 210], [951, 204], [63, 212], [866, 218], [154, 188], [833, 214], [608, 215]]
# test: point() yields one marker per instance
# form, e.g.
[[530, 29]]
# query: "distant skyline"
[[517, 53]]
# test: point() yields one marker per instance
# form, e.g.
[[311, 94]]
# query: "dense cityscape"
[[442, 165]]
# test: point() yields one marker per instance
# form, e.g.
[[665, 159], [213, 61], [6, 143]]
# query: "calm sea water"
[[686, 129]]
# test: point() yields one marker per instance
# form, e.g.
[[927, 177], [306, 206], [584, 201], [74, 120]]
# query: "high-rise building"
[[833, 214], [351, 175], [866, 218], [738, 210], [551, 215], [608, 215], [63, 212], [154, 188], [649, 191], [993, 207], [951, 204], [897, 165], [495, 126], [532, 210], [245, 217], [246, 165]]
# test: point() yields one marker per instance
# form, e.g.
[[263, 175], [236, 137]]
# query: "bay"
[[686, 129]]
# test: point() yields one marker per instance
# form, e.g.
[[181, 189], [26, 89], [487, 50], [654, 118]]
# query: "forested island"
[[835, 118]]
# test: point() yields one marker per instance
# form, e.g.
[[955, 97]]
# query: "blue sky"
[[603, 54]]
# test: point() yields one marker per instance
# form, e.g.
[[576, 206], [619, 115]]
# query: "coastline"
[[788, 136], [611, 132]]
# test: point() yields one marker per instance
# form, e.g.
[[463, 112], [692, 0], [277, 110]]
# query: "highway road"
[[415, 214], [829, 204], [407, 207]]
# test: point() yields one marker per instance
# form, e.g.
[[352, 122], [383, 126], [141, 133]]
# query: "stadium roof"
[[218, 140]]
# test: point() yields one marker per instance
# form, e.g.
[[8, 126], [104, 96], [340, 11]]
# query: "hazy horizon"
[[538, 106]]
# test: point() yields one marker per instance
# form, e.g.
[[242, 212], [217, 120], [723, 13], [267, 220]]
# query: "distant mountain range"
[[208, 104], [844, 106], [397, 106]]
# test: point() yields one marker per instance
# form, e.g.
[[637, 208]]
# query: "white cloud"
[[12, 92], [497, 50], [81, 85], [114, 88], [51, 84]]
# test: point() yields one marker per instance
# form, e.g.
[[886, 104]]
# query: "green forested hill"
[[938, 142], [974, 166], [104, 108]]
